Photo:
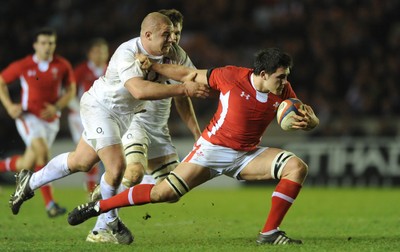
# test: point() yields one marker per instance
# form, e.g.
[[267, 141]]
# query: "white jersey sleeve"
[[110, 89]]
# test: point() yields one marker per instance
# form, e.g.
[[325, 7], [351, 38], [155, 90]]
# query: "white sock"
[[55, 169], [100, 223], [270, 232], [122, 186], [107, 191]]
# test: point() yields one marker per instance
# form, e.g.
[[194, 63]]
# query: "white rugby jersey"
[[158, 111], [110, 90]]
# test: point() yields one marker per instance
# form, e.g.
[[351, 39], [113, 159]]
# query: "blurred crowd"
[[346, 53]]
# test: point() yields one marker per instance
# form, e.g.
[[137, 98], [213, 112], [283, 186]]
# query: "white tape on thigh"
[[136, 153], [279, 163], [177, 184]]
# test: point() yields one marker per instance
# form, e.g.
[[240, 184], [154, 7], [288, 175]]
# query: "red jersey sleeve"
[[12, 72], [221, 78]]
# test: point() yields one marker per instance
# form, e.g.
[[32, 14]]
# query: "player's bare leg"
[[185, 177]]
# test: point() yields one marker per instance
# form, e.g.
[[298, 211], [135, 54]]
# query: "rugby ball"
[[285, 112]]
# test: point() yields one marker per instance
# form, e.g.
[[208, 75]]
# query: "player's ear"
[[148, 35], [263, 75]]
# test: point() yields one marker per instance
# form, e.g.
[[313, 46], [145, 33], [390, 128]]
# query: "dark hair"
[[44, 31], [174, 15], [96, 42], [270, 60]]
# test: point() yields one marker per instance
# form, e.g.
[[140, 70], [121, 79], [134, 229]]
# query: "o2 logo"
[[100, 131]]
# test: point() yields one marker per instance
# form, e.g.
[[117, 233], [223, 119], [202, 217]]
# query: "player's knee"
[[163, 194], [114, 177], [133, 174], [78, 164], [286, 164], [298, 167], [41, 156]]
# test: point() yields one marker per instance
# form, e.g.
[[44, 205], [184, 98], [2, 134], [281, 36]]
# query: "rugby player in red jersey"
[[42, 76]]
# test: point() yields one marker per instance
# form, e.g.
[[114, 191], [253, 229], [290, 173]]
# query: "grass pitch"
[[326, 219]]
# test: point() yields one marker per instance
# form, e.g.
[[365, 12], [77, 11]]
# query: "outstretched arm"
[[175, 72], [181, 73], [147, 90]]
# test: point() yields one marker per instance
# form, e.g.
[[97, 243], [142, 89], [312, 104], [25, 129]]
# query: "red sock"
[[47, 194], [136, 195], [282, 198], [91, 178], [9, 164], [46, 190]]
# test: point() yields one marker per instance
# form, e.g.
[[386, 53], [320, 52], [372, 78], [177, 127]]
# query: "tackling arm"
[[172, 71], [147, 90], [181, 73]]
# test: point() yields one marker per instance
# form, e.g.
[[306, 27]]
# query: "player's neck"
[[40, 58]]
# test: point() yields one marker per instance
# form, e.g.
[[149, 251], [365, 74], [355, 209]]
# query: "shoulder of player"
[[21, 62], [26, 59], [127, 49], [237, 71], [177, 53]]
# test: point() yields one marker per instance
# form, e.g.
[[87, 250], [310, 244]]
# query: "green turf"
[[326, 219]]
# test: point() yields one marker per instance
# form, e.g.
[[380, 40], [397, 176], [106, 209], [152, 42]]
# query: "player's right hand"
[[145, 63], [195, 89], [14, 110]]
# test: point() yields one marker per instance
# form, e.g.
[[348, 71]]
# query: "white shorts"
[[29, 127], [221, 160], [102, 127], [156, 138], [75, 125]]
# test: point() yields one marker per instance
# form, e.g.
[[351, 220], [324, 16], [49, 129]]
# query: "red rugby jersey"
[[243, 113], [85, 75], [41, 82]]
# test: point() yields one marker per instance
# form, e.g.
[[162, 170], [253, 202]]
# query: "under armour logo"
[[243, 94]]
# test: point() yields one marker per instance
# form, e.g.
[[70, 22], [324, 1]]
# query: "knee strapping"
[[136, 153], [177, 184], [162, 172], [279, 163]]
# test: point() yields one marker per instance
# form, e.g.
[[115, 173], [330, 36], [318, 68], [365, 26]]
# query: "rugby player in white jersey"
[[147, 143], [107, 111]]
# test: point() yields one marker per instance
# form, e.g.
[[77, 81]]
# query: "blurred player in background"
[[107, 110], [147, 144], [42, 76], [229, 145], [86, 73]]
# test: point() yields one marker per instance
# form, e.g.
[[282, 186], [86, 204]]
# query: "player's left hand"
[[307, 120], [49, 111], [195, 89]]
